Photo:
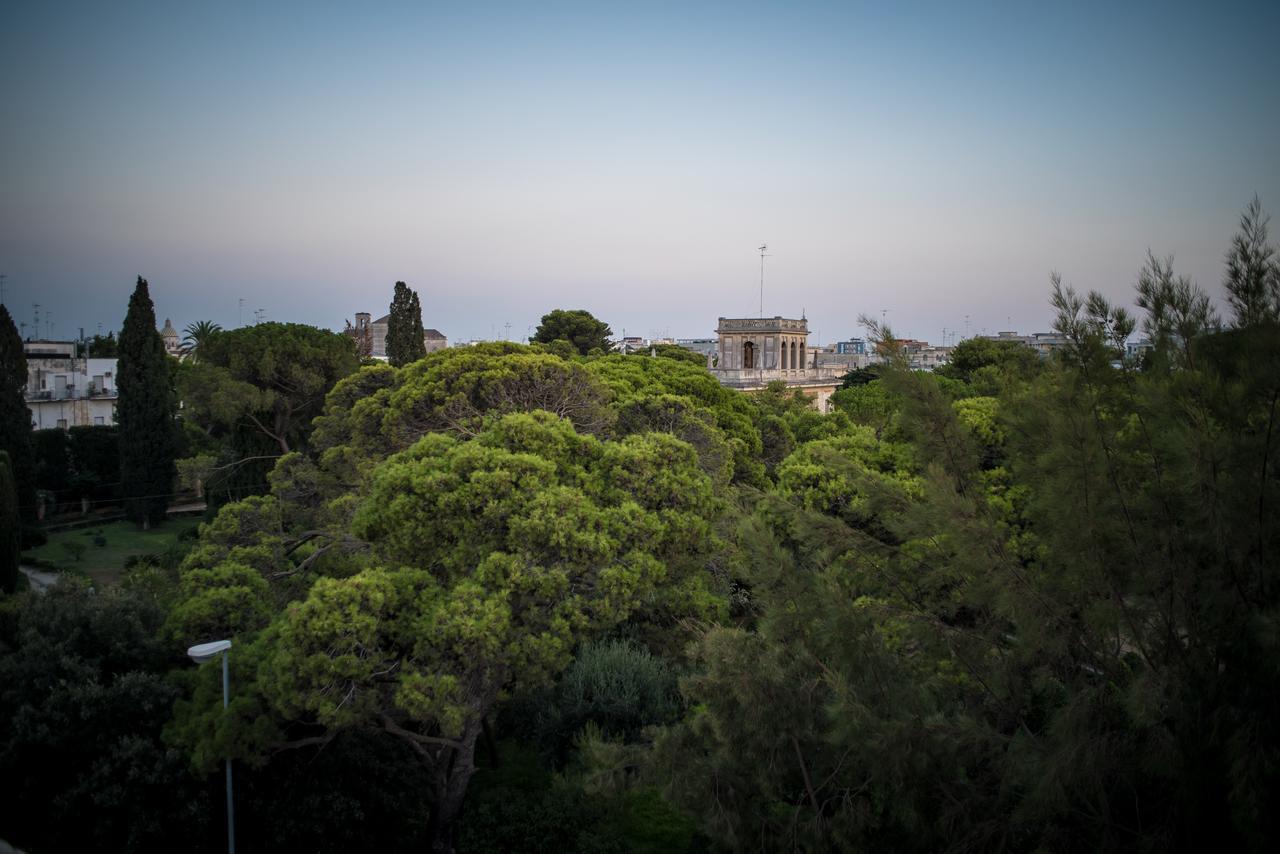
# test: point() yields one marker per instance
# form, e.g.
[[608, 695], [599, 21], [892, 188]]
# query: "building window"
[[748, 355], [62, 424], [98, 421]]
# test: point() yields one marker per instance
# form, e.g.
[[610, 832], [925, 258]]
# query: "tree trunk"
[[453, 791]]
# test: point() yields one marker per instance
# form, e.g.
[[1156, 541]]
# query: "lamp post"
[[201, 653]]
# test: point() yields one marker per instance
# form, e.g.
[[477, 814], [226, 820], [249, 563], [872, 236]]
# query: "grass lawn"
[[104, 563]]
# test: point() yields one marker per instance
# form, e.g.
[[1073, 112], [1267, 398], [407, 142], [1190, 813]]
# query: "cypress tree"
[[144, 413], [10, 527], [419, 334], [15, 418], [404, 327]]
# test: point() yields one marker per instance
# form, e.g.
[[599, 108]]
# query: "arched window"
[[748, 355], [793, 356], [802, 363]]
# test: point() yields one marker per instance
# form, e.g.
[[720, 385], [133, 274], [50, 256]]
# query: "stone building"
[[372, 335], [752, 352], [764, 343]]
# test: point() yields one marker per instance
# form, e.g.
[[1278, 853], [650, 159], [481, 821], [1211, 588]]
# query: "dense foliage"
[[103, 346], [144, 413], [15, 418], [515, 598], [196, 335], [576, 326], [79, 463], [10, 526], [251, 397]]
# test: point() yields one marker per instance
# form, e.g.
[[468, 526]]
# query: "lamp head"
[[202, 652]]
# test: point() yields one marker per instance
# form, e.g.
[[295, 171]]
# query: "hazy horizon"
[[505, 160]]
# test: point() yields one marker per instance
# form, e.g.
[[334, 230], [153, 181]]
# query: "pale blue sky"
[[507, 159]]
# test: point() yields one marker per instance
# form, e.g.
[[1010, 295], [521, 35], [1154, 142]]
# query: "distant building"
[[1043, 343], [753, 352], [434, 339], [923, 356], [852, 347], [1133, 350], [630, 344], [371, 335], [66, 390], [172, 344], [702, 346], [832, 358]]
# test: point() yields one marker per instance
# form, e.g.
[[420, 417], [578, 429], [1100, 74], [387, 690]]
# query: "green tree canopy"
[[197, 335], [452, 541], [144, 413], [984, 361], [270, 378], [1032, 621], [576, 326], [104, 346]]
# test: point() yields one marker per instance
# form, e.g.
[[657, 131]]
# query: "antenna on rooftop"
[[36, 306], [3, 276], [763, 247]]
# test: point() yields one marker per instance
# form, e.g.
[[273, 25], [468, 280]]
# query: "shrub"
[[616, 685]]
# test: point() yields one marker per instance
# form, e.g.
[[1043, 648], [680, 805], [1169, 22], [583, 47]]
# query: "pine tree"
[[145, 413], [1253, 271], [404, 327], [15, 418], [10, 527]]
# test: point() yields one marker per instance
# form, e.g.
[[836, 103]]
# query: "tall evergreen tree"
[[15, 418], [1253, 270], [419, 334], [10, 527], [404, 327], [145, 413]]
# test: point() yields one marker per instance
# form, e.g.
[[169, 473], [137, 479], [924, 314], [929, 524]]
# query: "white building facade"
[[64, 390]]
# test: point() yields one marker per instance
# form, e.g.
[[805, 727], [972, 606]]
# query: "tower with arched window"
[[776, 345]]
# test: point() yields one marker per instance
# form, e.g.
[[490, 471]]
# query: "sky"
[[926, 163]]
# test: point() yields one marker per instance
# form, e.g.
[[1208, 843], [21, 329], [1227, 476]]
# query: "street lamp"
[[200, 653]]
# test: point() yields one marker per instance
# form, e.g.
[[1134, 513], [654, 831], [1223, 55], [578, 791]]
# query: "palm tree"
[[198, 334]]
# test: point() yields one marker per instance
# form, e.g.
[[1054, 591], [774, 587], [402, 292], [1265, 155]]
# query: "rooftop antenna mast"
[[763, 247], [3, 276]]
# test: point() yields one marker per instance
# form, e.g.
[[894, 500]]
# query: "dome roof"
[[168, 331]]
